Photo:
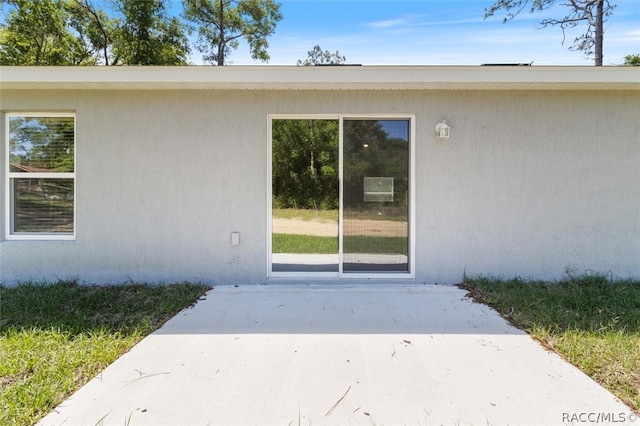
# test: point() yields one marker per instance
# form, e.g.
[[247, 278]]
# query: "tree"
[[76, 32], [223, 23], [95, 29], [148, 36], [632, 60], [592, 12], [317, 57], [36, 33]]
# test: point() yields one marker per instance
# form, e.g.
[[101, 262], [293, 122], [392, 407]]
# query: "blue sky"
[[434, 32], [431, 32]]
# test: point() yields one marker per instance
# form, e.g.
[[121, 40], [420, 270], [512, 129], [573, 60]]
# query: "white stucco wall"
[[530, 183]]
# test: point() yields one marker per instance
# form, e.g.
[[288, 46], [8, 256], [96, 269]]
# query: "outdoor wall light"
[[442, 130]]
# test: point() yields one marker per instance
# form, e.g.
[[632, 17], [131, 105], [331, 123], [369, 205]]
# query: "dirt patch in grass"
[[329, 228]]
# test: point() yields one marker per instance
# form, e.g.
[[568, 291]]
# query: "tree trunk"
[[39, 50], [599, 32], [221, 42], [89, 8], [312, 162]]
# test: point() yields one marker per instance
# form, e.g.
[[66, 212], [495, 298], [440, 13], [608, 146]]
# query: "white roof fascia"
[[265, 77]]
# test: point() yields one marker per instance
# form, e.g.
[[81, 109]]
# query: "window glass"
[[41, 144], [41, 175], [304, 191], [340, 196], [376, 196], [43, 205]]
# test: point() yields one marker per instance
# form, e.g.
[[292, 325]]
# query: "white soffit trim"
[[265, 77]]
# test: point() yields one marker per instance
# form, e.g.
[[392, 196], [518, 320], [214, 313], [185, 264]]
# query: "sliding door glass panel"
[[305, 155], [375, 196]]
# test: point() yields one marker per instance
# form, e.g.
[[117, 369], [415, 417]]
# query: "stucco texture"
[[530, 183]]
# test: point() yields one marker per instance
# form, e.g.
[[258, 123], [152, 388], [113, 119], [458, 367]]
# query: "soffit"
[[264, 77]]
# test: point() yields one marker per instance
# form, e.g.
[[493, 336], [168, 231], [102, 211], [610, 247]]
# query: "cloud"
[[416, 23], [402, 21]]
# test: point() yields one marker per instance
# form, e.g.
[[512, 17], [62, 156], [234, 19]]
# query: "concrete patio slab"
[[339, 355]]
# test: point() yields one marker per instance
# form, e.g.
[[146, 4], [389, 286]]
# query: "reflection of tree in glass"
[[370, 152], [305, 164], [43, 144]]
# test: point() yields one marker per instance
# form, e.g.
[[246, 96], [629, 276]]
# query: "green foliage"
[[54, 338], [590, 320], [77, 32], [36, 33], [131, 32], [316, 56], [222, 23], [632, 60], [369, 151], [147, 36], [305, 164], [95, 30]]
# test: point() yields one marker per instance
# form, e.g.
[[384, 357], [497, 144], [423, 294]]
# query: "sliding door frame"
[[411, 208]]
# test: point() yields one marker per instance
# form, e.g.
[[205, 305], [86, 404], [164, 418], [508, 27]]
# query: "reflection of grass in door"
[[307, 244], [375, 245], [295, 243]]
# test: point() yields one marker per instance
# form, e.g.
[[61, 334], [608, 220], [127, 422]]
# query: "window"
[[41, 176]]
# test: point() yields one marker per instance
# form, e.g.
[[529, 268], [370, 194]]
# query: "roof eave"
[[320, 78]]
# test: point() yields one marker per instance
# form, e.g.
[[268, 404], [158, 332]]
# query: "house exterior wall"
[[531, 183]]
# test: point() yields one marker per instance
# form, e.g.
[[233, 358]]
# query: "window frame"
[[341, 274], [10, 177]]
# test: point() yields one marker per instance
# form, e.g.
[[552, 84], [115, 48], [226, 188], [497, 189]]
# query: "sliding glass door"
[[340, 196], [304, 195], [375, 196]]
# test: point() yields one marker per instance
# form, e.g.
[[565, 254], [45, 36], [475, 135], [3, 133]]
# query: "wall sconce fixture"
[[442, 130]]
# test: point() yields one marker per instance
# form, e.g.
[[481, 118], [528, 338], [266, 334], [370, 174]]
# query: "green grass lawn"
[[56, 337], [295, 243], [590, 321]]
